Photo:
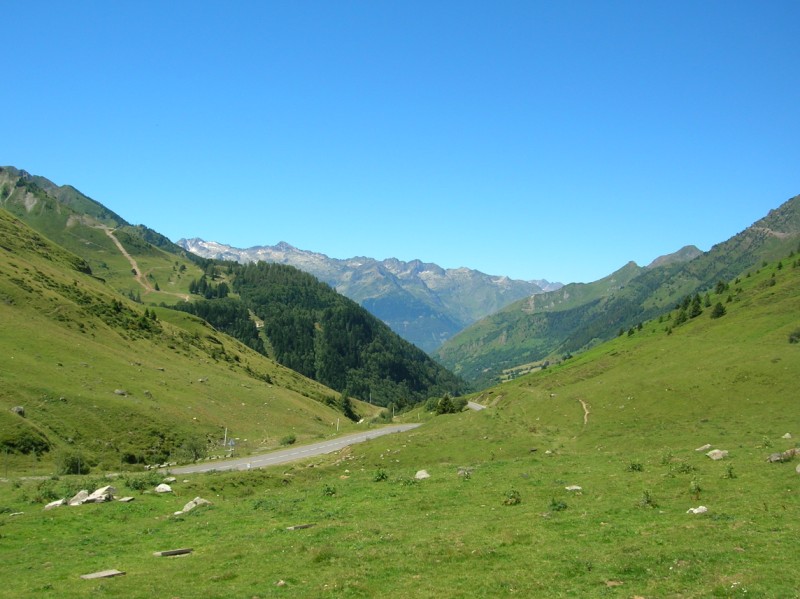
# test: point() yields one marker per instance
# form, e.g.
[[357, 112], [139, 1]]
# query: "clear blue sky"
[[555, 139]]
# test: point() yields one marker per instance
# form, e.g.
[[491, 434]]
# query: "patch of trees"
[[207, 289], [323, 335], [228, 315]]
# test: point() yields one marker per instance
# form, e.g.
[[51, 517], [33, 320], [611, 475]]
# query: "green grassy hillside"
[[95, 233], [621, 421], [123, 384], [307, 326], [579, 316]]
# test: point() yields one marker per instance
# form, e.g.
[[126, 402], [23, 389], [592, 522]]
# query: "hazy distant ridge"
[[423, 302]]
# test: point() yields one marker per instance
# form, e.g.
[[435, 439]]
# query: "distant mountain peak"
[[421, 301], [685, 254]]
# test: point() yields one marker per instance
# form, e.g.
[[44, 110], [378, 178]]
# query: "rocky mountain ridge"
[[421, 301]]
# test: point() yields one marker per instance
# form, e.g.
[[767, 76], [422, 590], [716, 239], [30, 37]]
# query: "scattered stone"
[[18, 410], [465, 472], [125, 499], [787, 436], [102, 574], [697, 510], [705, 447], [614, 583], [203, 379], [121, 392], [197, 501], [797, 469], [422, 475], [170, 479], [12, 514], [574, 488], [299, 526], [54, 504], [280, 583], [785, 456], [102, 494], [718, 454], [163, 488], [171, 552], [80, 497]]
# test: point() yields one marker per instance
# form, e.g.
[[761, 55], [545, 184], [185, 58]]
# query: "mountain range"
[[577, 316], [281, 312], [422, 302]]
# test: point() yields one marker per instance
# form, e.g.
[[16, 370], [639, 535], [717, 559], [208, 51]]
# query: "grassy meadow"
[[495, 519]]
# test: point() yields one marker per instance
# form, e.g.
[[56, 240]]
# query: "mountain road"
[[291, 454]]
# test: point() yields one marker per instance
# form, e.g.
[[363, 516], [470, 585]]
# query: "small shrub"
[[682, 468], [647, 500], [71, 462], [794, 337], [288, 440], [512, 497], [380, 476], [557, 506], [729, 473], [328, 490], [145, 481], [694, 488], [635, 467]]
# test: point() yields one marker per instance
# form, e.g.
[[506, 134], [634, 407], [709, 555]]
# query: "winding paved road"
[[292, 454]]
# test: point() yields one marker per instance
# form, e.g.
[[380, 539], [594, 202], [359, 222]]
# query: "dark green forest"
[[319, 333]]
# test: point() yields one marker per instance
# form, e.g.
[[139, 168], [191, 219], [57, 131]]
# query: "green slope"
[[579, 316], [107, 377], [85, 227], [622, 421], [308, 327]]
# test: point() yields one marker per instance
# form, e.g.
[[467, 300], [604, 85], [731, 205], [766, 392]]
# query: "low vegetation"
[[556, 504]]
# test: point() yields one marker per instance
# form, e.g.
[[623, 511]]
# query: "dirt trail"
[[140, 277], [586, 412]]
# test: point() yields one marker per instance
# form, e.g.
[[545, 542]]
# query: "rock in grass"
[[574, 488], [163, 488], [102, 494], [54, 504], [422, 475], [197, 501], [102, 574], [718, 454], [697, 510], [80, 497], [705, 447]]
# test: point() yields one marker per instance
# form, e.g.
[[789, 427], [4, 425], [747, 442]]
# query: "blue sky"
[[532, 139]]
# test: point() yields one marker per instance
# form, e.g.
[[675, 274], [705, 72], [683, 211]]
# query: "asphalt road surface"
[[292, 454]]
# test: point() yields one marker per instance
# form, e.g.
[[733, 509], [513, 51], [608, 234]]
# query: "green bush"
[[288, 440], [71, 462], [512, 497]]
